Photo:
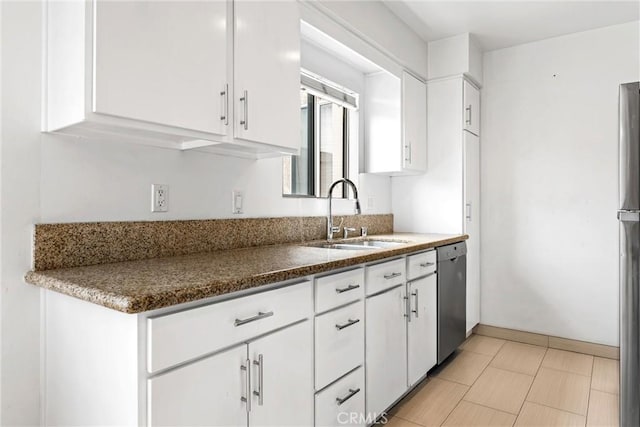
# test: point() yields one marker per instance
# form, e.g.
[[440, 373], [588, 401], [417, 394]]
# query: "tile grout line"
[[605, 392], [586, 416], [566, 372], [557, 409], [531, 385], [553, 407], [474, 381]]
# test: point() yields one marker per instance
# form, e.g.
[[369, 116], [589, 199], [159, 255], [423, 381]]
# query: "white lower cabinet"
[[422, 327], [343, 402], [267, 382], [263, 359], [386, 349], [203, 393], [282, 378], [401, 332]]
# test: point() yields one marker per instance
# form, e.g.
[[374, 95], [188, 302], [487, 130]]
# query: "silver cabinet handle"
[[347, 289], [468, 215], [407, 308], [260, 315], [346, 325], [407, 153], [245, 109], [352, 392], [468, 111], [415, 294], [260, 393], [427, 264], [247, 384], [392, 275], [225, 104]]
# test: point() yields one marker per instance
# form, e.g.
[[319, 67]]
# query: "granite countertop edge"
[[132, 303]]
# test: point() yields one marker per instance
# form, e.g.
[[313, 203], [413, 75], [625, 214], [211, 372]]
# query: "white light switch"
[[237, 202]]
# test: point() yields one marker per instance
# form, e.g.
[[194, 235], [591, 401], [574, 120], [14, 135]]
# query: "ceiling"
[[499, 24]]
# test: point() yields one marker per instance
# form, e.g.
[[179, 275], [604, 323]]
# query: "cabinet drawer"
[[333, 410], [339, 289], [178, 337], [339, 343], [421, 264], [385, 275]]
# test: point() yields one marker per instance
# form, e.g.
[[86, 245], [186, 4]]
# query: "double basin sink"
[[369, 244]]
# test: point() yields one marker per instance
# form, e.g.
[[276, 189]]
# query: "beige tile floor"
[[494, 382]]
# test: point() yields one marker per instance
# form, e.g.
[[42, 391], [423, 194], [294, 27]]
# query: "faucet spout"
[[330, 227]]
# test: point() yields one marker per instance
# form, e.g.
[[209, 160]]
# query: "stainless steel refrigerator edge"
[[629, 216]]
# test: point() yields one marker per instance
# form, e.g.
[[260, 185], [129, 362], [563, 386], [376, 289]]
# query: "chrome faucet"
[[330, 228]]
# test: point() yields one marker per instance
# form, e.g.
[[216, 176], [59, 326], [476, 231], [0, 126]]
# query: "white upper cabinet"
[[414, 123], [174, 73], [162, 62], [267, 72], [395, 124], [471, 108]]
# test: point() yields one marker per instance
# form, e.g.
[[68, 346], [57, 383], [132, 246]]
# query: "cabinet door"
[[414, 117], [207, 392], [267, 72], [471, 108], [162, 62], [282, 377], [386, 349], [422, 337], [472, 226]]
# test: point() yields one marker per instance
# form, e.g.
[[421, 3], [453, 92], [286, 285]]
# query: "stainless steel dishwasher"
[[452, 298]]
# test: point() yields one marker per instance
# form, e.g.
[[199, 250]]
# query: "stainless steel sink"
[[359, 245]]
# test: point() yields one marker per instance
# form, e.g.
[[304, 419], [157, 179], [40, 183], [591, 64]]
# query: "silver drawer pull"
[[407, 308], [415, 294], [352, 393], [260, 392], [225, 105], [245, 108], [348, 288], [247, 384], [427, 264], [392, 275], [260, 315], [346, 325]]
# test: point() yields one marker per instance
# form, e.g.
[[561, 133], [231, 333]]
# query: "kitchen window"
[[325, 110]]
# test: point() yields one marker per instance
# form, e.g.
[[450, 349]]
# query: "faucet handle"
[[347, 230], [364, 231]]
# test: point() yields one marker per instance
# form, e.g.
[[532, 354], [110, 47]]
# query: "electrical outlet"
[[370, 202], [159, 198], [237, 202]]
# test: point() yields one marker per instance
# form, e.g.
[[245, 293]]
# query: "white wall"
[[19, 202], [48, 178], [549, 183]]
